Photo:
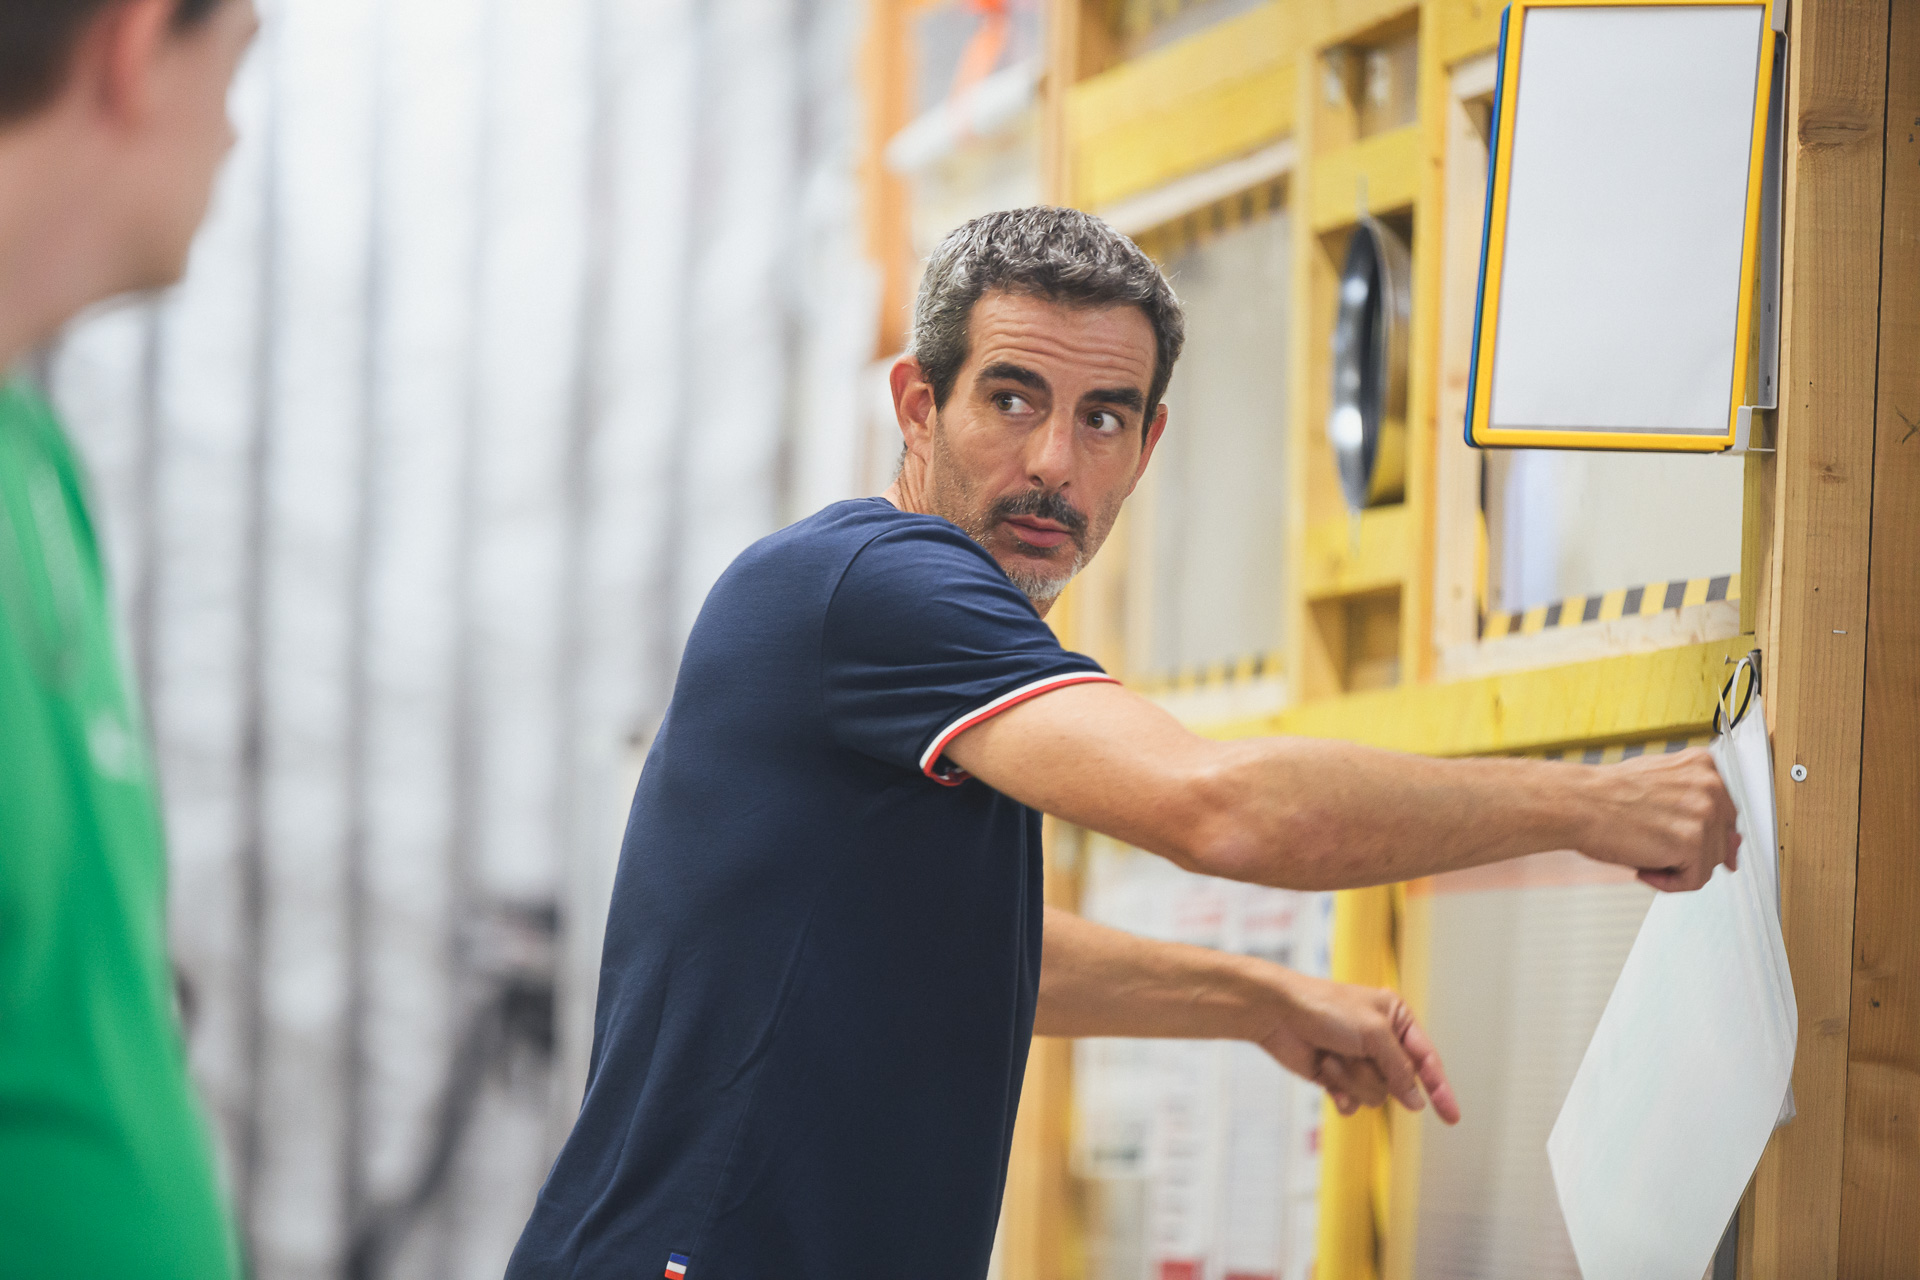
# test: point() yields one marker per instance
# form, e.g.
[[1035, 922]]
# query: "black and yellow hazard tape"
[[1170, 240], [1628, 602], [1625, 751], [1216, 675]]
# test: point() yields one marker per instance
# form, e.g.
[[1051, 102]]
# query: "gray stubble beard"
[[1038, 587]]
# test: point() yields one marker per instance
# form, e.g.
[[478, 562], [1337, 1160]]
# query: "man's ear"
[[114, 63], [1155, 430], [912, 403]]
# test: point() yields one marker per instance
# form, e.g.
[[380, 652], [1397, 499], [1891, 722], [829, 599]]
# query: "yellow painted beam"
[[1669, 693], [1467, 27], [1216, 95], [1354, 1149], [1216, 126], [1334, 22], [1339, 564], [1390, 163], [1412, 941], [1241, 48]]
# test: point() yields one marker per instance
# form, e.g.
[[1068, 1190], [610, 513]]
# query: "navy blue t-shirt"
[[824, 946]]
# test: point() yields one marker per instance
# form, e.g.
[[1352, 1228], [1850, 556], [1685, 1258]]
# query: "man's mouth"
[[1041, 534]]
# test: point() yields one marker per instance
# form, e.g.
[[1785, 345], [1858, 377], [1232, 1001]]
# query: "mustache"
[[1042, 505]]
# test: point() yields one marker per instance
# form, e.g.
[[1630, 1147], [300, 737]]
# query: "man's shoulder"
[[836, 536], [865, 559]]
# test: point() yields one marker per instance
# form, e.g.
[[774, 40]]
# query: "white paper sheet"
[[1688, 1072]]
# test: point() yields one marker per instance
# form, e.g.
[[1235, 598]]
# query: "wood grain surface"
[[1817, 666], [1880, 1192]]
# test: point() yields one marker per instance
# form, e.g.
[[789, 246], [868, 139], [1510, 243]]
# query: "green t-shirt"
[[105, 1165]]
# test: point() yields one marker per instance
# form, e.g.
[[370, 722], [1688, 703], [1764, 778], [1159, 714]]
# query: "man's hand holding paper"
[[1669, 817]]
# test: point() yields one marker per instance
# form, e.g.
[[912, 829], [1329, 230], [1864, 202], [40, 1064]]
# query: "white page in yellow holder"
[[1688, 1072]]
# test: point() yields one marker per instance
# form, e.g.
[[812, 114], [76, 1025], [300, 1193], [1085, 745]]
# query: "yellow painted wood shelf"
[[1200, 102], [1388, 164], [1668, 693], [1339, 563]]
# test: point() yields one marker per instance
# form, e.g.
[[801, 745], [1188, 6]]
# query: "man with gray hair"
[[827, 949]]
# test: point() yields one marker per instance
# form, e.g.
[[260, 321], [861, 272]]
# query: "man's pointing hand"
[[1361, 1044]]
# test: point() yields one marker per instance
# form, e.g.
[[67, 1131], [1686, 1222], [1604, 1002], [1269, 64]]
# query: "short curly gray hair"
[[1061, 255]]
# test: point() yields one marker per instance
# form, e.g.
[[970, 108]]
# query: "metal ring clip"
[[1725, 714]]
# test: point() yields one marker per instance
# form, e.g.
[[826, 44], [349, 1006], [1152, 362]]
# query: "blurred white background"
[[514, 322]]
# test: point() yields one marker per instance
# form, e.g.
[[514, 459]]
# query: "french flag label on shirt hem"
[[949, 774], [676, 1266]]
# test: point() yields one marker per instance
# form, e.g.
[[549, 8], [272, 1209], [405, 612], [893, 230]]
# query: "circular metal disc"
[[1369, 359]]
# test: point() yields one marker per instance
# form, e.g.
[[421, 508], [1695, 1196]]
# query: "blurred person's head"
[[1030, 397], [113, 124]]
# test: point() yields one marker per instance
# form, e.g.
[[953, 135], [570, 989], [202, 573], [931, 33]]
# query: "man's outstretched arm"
[[1311, 814], [1359, 1043]]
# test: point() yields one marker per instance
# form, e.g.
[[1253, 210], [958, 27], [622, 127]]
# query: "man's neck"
[[909, 489], [54, 258], [908, 492]]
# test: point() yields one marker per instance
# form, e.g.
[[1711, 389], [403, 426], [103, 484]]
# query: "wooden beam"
[[1198, 103], [1816, 666], [1880, 1196], [886, 89], [1042, 1225], [1342, 560], [1639, 697], [1145, 88], [1063, 60], [1362, 22], [1412, 943], [1080, 42], [1092, 615], [1354, 1162], [1308, 671], [1459, 525], [1227, 119], [1392, 165], [1434, 95], [1418, 605], [1467, 28]]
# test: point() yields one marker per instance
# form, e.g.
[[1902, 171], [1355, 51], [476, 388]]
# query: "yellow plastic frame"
[[1480, 432]]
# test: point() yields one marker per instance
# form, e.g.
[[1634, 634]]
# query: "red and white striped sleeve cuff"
[[952, 775]]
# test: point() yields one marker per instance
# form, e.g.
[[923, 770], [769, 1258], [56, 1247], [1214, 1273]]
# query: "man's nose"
[[1050, 453]]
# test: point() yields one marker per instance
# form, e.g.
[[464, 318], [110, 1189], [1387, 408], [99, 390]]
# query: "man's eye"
[[1101, 420], [1008, 402]]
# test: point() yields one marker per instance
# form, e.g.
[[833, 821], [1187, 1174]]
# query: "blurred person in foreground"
[[112, 125], [827, 949]]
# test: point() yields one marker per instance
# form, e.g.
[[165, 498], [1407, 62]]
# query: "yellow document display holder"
[[1629, 273]]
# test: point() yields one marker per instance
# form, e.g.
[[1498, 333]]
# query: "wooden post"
[[1041, 1227], [1080, 42], [1042, 1233], [1429, 248], [1355, 1164], [1816, 628], [1459, 574], [886, 73], [1880, 1186]]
